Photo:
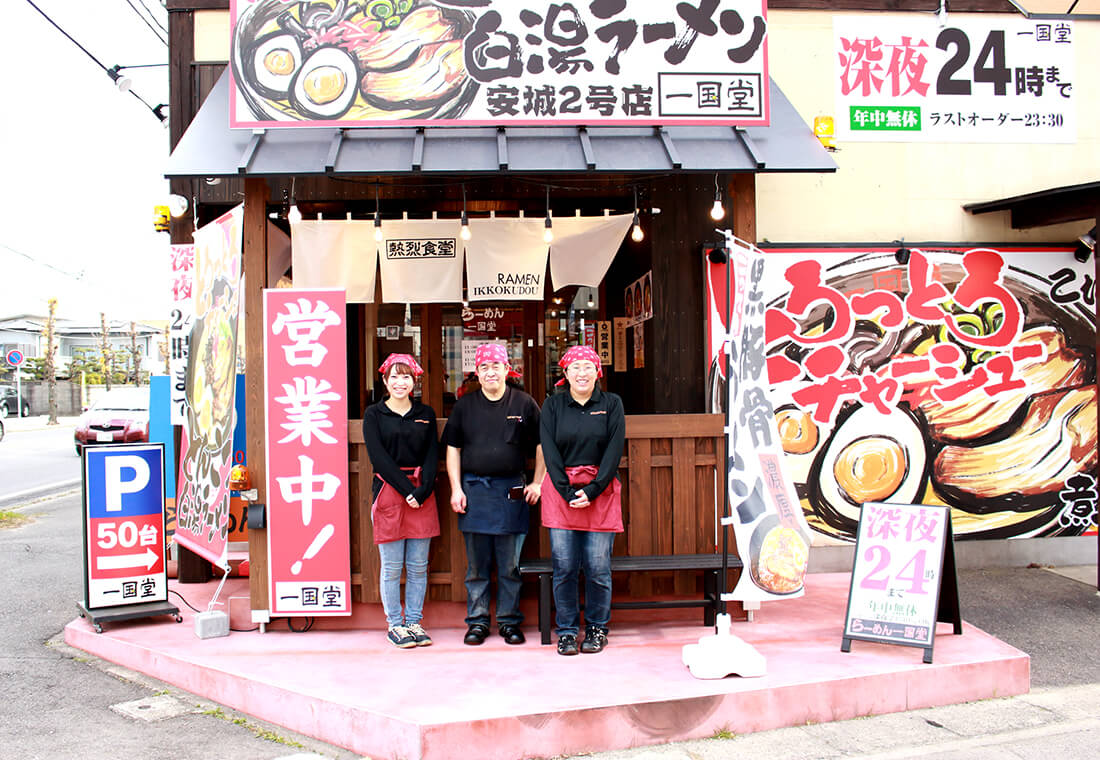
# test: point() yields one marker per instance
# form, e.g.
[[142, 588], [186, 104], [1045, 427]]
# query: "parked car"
[[9, 399], [120, 415]]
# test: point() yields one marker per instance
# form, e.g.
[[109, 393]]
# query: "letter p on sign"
[[115, 486]]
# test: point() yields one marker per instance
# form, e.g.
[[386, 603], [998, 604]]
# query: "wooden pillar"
[[742, 194], [254, 255]]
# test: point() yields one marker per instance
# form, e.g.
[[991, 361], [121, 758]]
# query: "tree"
[[106, 356], [51, 375], [135, 357]]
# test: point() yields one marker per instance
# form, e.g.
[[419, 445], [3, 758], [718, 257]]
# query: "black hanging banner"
[[904, 579]]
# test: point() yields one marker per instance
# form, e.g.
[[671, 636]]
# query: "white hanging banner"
[[341, 253], [506, 260], [584, 247], [421, 261]]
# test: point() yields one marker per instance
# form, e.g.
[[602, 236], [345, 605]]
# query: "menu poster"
[[903, 580]]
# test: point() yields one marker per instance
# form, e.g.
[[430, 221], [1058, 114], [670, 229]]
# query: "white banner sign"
[[421, 261], [584, 247], [496, 62], [336, 254], [981, 79], [510, 260]]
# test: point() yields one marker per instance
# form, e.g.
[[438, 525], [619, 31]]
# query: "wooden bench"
[[710, 564]]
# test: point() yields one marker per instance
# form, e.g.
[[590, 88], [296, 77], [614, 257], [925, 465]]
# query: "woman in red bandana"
[[582, 434], [403, 447]]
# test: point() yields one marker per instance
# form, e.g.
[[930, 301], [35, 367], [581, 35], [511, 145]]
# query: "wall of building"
[[887, 191]]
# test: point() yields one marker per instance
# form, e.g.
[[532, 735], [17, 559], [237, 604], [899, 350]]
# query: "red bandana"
[[576, 354], [393, 359], [494, 352]]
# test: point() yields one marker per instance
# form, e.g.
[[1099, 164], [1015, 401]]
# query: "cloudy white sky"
[[83, 162]]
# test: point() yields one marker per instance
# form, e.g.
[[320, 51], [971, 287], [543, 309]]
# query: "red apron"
[[394, 519], [604, 515]]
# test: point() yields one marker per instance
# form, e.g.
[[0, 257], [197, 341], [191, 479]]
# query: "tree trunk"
[[105, 356], [135, 357], [51, 374]]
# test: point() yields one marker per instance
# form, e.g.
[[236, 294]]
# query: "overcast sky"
[[83, 162]]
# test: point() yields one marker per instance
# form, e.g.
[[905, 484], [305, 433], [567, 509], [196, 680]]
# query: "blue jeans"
[[412, 553], [481, 551], [573, 551]]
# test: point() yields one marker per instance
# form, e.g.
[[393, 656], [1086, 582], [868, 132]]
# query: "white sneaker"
[[401, 638], [420, 636]]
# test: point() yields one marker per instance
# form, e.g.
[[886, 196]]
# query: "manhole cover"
[[152, 709]]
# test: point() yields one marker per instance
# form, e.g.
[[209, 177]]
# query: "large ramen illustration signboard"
[[440, 62], [956, 377]]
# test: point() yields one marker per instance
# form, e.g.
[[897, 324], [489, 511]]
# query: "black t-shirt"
[[575, 434], [496, 437], [395, 441]]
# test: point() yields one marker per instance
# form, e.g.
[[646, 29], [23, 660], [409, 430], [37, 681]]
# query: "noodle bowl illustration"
[[334, 60]]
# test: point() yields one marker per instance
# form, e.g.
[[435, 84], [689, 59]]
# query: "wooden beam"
[[254, 267], [742, 194]]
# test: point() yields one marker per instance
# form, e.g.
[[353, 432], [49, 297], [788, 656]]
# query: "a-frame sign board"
[[904, 579]]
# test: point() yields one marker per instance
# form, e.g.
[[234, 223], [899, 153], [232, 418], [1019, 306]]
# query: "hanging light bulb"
[[548, 233], [717, 211], [377, 217], [465, 233], [293, 215], [591, 300], [636, 233]]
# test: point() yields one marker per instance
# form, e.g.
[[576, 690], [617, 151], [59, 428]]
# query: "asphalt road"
[[36, 459], [58, 702]]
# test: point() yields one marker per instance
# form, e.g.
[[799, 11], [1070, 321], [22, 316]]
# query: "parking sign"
[[124, 559]]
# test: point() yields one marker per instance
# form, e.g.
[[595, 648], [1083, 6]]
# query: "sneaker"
[[400, 637], [595, 639], [567, 644], [420, 636]]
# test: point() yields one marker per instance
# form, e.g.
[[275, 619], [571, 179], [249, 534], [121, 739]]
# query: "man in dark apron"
[[489, 436]]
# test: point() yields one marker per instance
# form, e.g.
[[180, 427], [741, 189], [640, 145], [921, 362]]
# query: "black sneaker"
[[595, 639], [420, 636], [567, 644], [400, 637]]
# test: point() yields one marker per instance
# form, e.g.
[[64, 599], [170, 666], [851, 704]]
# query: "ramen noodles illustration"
[[779, 563], [1003, 461], [334, 60]]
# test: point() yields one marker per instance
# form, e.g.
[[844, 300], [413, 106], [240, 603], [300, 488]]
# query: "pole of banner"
[[720, 256], [722, 653]]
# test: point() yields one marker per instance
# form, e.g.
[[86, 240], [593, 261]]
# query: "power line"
[[156, 21], [78, 276], [112, 72], [141, 16]]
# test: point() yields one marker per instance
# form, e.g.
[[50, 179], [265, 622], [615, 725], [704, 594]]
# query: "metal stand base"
[[128, 612]]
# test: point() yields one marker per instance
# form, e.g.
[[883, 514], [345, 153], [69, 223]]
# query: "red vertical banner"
[[305, 398]]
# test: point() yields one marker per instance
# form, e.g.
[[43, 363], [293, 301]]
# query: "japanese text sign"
[[985, 78], [182, 265], [305, 396], [897, 573], [765, 512], [498, 61], [124, 525]]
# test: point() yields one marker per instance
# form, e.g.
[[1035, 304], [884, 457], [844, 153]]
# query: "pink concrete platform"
[[348, 686]]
